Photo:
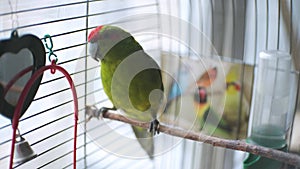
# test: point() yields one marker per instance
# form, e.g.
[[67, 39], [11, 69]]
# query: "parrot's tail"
[[145, 139]]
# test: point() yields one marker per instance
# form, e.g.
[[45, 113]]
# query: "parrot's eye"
[[228, 84]]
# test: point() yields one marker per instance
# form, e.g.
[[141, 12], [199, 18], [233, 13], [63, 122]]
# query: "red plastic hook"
[[53, 67], [53, 63]]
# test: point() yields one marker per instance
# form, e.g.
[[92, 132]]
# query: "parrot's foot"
[[92, 111], [154, 127], [103, 110]]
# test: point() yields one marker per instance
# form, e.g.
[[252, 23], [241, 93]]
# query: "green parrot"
[[131, 79]]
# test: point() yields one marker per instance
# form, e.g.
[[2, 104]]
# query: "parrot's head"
[[232, 87], [103, 38], [205, 80], [200, 95]]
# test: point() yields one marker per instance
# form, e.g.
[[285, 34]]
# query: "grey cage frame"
[[238, 29]]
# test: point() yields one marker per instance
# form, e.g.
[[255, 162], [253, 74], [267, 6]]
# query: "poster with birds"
[[208, 96]]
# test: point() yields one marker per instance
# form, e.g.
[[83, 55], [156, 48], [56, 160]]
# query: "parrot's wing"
[[145, 140]]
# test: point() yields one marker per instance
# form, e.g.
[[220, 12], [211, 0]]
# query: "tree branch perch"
[[289, 158]]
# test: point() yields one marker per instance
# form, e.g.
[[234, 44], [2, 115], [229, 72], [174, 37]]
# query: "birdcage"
[[181, 36]]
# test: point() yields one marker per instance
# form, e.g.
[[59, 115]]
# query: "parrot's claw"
[[154, 127], [92, 111]]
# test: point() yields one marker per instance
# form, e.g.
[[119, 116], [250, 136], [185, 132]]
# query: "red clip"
[[53, 69]]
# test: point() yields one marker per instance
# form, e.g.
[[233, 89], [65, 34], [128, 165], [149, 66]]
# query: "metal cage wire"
[[238, 30]]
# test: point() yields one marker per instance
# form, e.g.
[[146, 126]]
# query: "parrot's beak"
[[94, 51]]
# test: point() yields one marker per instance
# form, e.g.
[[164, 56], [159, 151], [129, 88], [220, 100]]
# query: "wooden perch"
[[289, 158]]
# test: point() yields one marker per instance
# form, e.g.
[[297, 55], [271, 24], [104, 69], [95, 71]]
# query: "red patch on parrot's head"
[[94, 34]]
